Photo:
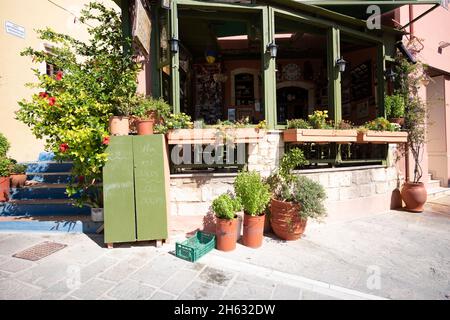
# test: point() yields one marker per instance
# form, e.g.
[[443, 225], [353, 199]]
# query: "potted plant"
[[380, 130], [4, 145], [94, 199], [5, 171], [294, 198], [18, 175], [148, 111], [225, 208], [318, 129], [119, 122], [410, 78], [254, 195], [395, 108]]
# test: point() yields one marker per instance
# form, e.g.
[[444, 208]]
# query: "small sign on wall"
[[142, 27], [15, 29]]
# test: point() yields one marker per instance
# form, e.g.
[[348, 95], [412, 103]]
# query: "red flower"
[[59, 75], [63, 147], [51, 101], [80, 179], [43, 95], [105, 140]]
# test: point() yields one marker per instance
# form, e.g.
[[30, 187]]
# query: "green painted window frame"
[[269, 77]]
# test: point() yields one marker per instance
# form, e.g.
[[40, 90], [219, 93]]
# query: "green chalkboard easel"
[[135, 184]]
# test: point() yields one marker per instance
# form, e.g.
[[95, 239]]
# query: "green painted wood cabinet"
[[135, 184]]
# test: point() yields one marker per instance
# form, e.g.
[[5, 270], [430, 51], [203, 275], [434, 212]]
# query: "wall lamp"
[[174, 45], [390, 75], [341, 64], [273, 49]]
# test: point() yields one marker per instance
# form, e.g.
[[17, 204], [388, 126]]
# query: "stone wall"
[[348, 189]]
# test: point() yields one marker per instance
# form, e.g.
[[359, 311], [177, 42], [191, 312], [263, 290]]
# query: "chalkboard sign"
[[118, 191], [361, 80], [135, 183]]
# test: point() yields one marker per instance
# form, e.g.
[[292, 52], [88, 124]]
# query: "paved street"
[[394, 255]]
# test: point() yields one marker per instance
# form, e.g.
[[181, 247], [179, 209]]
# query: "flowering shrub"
[[72, 109]]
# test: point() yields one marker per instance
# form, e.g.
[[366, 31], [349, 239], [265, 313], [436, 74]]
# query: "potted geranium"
[[5, 171], [225, 208], [148, 112], [18, 175], [254, 195], [294, 198]]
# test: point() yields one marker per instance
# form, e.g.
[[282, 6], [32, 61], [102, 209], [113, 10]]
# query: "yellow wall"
[[15, 70]]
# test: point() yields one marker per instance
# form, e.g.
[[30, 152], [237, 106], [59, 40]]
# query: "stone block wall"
[[192, 194]]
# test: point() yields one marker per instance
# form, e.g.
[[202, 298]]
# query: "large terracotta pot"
[[226, 234], [414, 195], [18, 180], [119, 126], [4, 189], [285, 220], [253, 231]]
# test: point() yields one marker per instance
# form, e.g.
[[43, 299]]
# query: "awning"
[[357, 8]]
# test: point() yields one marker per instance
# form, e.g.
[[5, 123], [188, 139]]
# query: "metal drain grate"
[[39, 251]]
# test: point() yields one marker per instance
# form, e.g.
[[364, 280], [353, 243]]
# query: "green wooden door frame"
[[175, 59]]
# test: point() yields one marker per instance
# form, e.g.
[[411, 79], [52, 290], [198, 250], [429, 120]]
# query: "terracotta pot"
[[285, 220], [414, 195], [18, 180], [253, 231], [119, 126], [4, 189], [226, 234]]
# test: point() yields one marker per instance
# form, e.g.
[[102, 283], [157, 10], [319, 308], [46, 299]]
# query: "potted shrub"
[[395, 108], [225, 208], [18, 175], [294, 198], [254, 196], [148, 111], [5, 171], [410, 78]]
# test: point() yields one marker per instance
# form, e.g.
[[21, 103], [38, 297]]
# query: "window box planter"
[[211, 135], [382, 137], [320, 135]]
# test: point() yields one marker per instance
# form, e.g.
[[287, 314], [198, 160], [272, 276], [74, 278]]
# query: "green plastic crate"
[[195, 247]]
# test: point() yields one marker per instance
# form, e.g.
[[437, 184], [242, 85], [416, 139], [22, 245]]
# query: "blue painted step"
[[42, 208], [56, 177], [48, 166], [48, 191], [68, 226]]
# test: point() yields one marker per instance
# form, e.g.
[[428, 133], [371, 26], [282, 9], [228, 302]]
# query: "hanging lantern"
[[272, 48], [174, 45]]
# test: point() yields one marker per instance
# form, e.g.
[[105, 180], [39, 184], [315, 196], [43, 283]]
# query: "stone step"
[[48, 167], [437, 193], [433, 184], [42, 207], [50, 177], [66, 224], [40, 191]]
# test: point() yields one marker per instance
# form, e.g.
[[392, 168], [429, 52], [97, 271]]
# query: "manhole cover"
[[39, 251]]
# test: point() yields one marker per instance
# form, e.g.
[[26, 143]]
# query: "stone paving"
[[395, 255], [85, 270]]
